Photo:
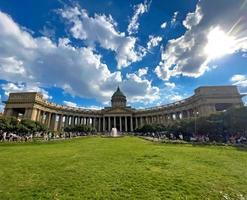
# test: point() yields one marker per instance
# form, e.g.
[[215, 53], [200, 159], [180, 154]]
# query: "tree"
[[23, 127], [8, 124], [236, 120]]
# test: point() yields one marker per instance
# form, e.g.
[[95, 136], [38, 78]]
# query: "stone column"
[[90, 121], [146, 119], [120, 122], [115, 122], [141, 121], [136, 122], [99, 124], [37, 116], [48, 120], [76, 120], [171, 116], [33, 113], [27, 114], [72, 120], [60, 123], [93, 122], [65, 121], [165, 118], [37, 113], [109, 123], [40, 116], [131, 124], [53, 121], [126, 128], [103, 124]]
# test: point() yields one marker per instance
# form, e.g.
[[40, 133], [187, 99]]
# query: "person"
[[4, 136], [45, 136], [49, 136]]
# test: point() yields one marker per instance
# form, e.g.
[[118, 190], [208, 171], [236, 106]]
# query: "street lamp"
[[196, 113]]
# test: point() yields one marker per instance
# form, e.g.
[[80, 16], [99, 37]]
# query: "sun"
[[219, 44]]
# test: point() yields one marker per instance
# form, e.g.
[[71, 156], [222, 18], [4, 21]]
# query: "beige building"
[[206, 100]]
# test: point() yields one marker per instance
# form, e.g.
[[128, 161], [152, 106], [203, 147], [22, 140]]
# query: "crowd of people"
[[6, 136], [236, 138], [46, 136]]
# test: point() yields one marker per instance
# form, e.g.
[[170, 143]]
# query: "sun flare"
[[219, 44]]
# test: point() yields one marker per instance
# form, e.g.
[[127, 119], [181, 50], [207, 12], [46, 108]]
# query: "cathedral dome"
[[118, 93], [118, 99]]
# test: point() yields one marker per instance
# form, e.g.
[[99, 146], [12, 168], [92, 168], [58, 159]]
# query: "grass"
[[121, 168]]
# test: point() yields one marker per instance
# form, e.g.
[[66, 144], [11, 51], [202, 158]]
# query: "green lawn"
[[121, 168]]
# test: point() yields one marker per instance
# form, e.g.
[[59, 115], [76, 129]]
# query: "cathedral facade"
[[206, 100]]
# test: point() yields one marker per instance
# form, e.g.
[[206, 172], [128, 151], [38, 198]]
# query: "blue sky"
[[77, 52]]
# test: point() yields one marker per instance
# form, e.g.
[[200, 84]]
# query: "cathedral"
[[204, 101]]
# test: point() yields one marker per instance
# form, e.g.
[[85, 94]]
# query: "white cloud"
[[92, 107], [32, 63], [22, 87], [163, 25], [48, 32], [103, 30], [174, 18], [175, 97], [75, 105], [153, 41], [50, 64], [192, 19], [142, 71], [169, 95], [139, 89], [69, 103], [187, 55], [170, 85], [239, 80], [139, 10]]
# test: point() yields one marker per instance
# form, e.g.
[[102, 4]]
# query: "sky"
[[78, 52]]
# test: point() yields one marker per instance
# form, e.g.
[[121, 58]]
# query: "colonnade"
[[102, 123], [58, 121], [206, 100]]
